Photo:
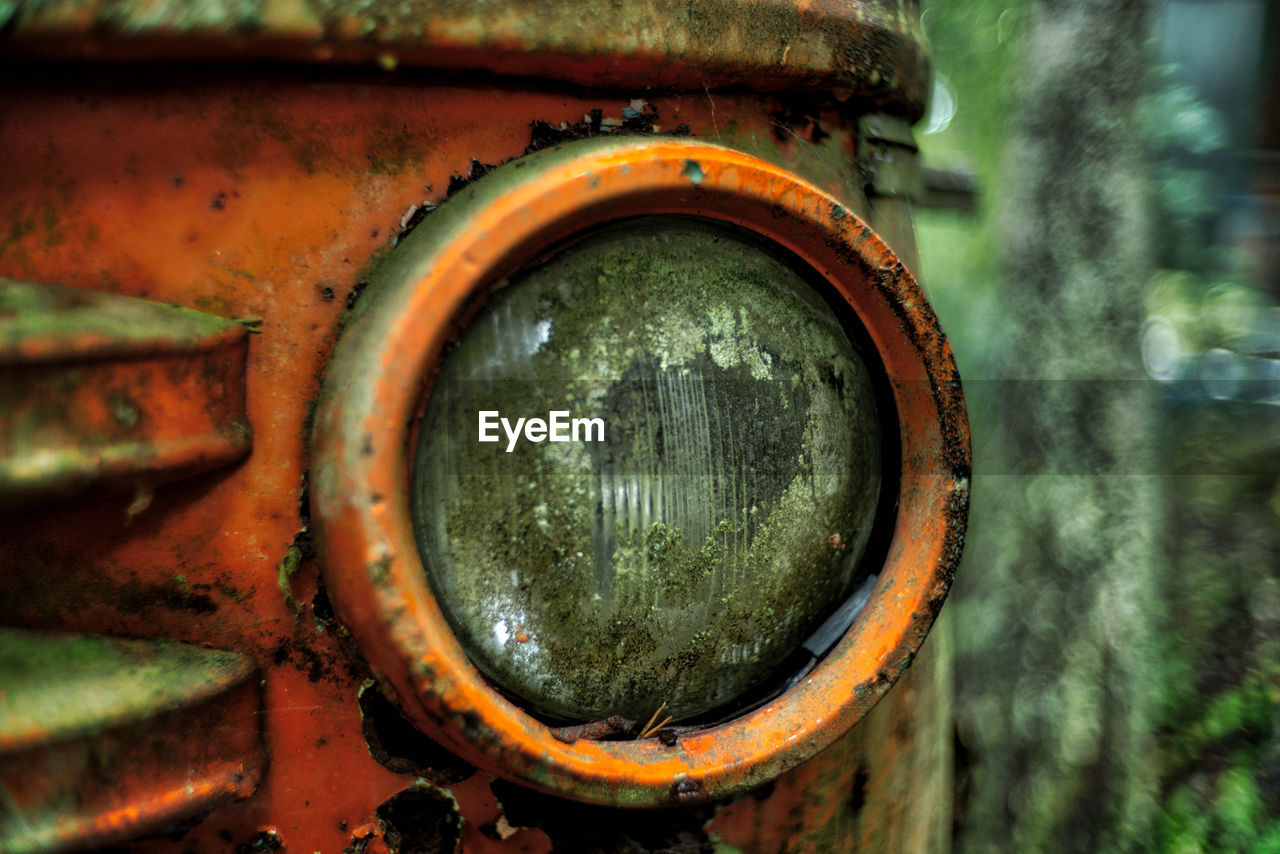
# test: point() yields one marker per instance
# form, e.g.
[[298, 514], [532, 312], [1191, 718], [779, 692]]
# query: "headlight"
[[769, 434]]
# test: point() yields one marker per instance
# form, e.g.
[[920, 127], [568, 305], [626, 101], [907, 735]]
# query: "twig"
[[649, 729]]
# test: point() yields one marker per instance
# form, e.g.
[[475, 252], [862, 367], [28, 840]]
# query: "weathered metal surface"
[[102, 739], [103, 392], [869, 49], [265, 194], [374, 387]]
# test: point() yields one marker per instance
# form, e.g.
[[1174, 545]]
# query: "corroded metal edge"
[[175, 732], [103, 393], [871, 49]]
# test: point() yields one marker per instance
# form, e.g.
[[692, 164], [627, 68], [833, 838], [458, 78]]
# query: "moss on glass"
[[682, 558]]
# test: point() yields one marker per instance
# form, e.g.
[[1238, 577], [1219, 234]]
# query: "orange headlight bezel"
[[374, 388]]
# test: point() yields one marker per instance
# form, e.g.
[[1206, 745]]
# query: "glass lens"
[[645, 472]]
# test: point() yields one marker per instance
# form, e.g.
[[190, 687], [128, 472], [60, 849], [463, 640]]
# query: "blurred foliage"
[[1220, 715], [974, 47], [1118, 668], [1177, 129]]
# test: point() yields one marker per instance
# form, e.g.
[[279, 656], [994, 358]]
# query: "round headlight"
[[626, 424]]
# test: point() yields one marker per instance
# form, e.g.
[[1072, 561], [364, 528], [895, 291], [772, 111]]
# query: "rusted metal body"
[[265, 197]]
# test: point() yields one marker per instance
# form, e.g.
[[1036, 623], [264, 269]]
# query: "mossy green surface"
[[101, 682], [683, 557]]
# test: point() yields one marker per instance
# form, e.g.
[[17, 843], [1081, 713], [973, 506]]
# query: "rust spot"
[[858, 793], [354, 293], [398, 746], [457, 182], [265, 840], [421, 820]]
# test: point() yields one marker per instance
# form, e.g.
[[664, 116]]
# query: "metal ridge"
[[869, 49]]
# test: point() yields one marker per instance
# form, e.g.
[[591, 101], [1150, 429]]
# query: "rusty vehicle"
[[262, 264]]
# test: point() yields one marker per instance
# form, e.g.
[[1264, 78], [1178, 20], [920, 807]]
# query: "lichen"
[[284, 576], [685, 556]]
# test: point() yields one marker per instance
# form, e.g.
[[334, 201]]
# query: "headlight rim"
[[376, 382]]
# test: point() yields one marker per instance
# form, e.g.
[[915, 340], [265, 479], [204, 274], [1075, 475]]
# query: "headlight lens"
[[697, 506]]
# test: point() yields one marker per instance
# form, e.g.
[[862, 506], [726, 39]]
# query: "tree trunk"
[[1057, 608]]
